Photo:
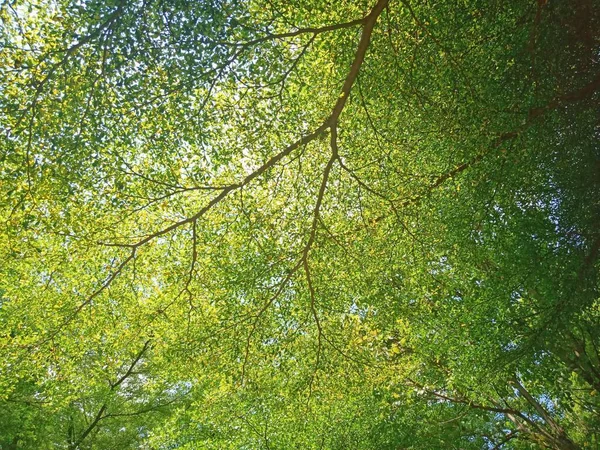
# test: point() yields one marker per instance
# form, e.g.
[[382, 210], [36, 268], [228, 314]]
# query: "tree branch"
[[100, 414], [330, 123]]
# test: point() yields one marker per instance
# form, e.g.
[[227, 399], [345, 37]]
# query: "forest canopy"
[[297, 224]]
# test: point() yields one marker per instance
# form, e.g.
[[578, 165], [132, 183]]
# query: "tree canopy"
[[291, 224]]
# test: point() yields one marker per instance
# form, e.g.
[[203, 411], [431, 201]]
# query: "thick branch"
[[359, 57]]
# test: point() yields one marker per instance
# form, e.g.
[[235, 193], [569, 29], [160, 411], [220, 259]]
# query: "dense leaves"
[[297, 224]]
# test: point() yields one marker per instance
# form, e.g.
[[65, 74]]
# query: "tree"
[[299, 225]]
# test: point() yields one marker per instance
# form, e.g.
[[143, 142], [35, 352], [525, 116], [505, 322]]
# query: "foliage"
[[297, 224]]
